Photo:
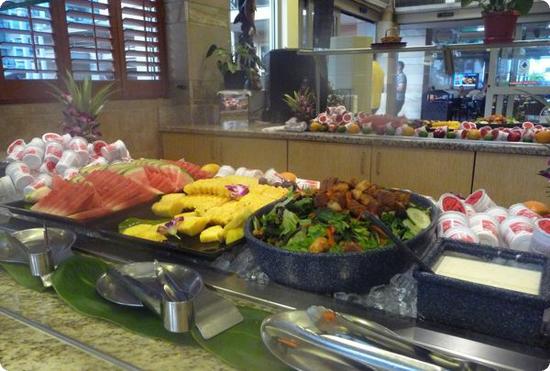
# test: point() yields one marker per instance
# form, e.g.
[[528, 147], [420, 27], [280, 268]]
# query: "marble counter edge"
[[413, 142]]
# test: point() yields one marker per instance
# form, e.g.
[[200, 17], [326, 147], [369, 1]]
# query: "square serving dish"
[[499, 312]]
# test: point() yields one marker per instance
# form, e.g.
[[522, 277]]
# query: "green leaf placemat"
[[22, 275], [74, 281], [241, 346]]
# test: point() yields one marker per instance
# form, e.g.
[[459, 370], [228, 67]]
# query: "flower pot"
[[234, 81], [500, 26]]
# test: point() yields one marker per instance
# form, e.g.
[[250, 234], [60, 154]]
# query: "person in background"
[[377, 85], [400, 87]]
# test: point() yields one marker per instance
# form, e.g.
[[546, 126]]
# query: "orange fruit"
[[407, 131], [538, 207], [353, 128], [288, 176], [474, 134], [542, 136], [315, 126]]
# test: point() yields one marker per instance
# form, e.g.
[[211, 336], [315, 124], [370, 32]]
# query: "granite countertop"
[[271, 132], [23, 347]]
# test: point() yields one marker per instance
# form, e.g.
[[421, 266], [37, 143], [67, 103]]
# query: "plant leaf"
[[523, 6], [211, 50]]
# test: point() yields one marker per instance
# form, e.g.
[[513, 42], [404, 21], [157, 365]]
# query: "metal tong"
[[371, 333]]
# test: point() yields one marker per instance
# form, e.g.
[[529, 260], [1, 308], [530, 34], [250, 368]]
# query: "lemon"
[[211, 168], [407, 131]]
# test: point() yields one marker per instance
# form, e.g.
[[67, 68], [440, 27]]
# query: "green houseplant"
[[500, 17], [239, 68]]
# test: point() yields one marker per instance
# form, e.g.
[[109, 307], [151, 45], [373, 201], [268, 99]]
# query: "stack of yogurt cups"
[[32, 165], [477, 219]]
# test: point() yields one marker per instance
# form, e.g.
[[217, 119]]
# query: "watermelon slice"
[[192, 169], [160, 180]]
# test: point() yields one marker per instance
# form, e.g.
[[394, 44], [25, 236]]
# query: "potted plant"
[[239, 68], [81, 107], [301, 104], [500, 17]]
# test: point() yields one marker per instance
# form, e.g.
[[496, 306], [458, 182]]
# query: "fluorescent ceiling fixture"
[[480, 28]]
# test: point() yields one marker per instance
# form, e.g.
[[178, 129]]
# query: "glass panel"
[[19, 75], [94, 76], [524, 67], [354, 26]]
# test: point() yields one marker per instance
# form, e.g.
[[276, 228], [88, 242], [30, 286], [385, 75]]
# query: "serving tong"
[[321, 339], [181, 301], [38, 248]]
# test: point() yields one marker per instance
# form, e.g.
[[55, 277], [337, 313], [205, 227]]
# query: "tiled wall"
[[136, 122]]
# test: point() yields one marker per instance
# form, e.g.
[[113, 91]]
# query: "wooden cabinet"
[[510, 178], [316, 160], [249, 152], [426, 171], [196, 148], [253, 153]]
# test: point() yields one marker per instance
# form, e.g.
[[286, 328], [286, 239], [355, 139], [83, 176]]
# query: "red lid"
[[452, 203], [544, 224], [474, 197]]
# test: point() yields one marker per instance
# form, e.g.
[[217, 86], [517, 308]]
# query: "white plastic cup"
[[100, 160], [486, 229], [46, 178], [66, 140], [20, 174], [83, 156], [38, 183], [225, 170], [33, 156], [96, 147], [241, 171], [522, 210], [255, 173], [48, 167], [70, 173], [451, 202], [52, 137], [54, 151], [15, 143], [470, 211], [498, 212], [480, 201], [114, 151], [461, 233], [78, 144], [516, 232], [7, 188], [70, 159], [16, 153], [38, 142], [540, 242], [451, 219]]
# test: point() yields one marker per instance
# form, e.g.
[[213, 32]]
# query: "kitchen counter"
[[270, 132], [24, 345]]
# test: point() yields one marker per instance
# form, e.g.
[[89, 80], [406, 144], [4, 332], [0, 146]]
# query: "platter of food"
[[318, 241]]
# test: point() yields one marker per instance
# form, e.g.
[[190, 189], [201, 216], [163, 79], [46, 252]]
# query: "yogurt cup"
[[70, 173], [516, 232], [225, 170], [461, 233], [522, 210], [486, 237], [48, 167], [451, 219], [38, 183], [114, 151], [485, 222], [15, 143], [70, 159], [7, 188], [470, 211], [33, 156], [17, 166], [54, 151], [78, 144], [38, 142], [16, 153], [450, 202], [83, 157], [20, 175], [52, 137], [498, 212], [480, 201], [540, 242], [66, 139], [241, 171]]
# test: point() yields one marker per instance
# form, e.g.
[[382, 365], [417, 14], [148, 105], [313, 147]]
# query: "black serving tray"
[[485, 309], [107, 228]]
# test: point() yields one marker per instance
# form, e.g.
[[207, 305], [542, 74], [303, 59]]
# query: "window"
[[105, 40]]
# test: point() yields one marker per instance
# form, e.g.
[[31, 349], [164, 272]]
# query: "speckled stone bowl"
[[328, 273], [498, 312]]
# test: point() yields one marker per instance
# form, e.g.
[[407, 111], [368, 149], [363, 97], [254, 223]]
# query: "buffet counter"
[[40, 331], [429, 166]]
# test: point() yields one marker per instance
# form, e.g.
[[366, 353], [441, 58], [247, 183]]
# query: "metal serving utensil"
[[14, 251], [396, 240], [301, 340]]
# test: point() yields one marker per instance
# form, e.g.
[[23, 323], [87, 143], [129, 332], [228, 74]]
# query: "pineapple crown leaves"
[[81, 95]]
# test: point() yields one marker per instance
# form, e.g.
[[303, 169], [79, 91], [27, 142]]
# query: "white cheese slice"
[[470, 269]]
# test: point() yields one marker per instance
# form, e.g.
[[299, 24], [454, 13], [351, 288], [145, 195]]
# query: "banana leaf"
[[241, 346], [74, 281], [22, 275]]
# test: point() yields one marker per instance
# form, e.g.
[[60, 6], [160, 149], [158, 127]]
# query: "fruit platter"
[[495, 128], [320, 241]]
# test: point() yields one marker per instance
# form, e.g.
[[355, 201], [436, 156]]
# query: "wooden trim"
[[37, 91]]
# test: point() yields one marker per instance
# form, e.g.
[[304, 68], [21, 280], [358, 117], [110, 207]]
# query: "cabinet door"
[[196, 148], [314, 160], [253, 153], [426, 171], [510, 178]]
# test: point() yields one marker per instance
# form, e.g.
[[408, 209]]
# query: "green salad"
[[297, 224]]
